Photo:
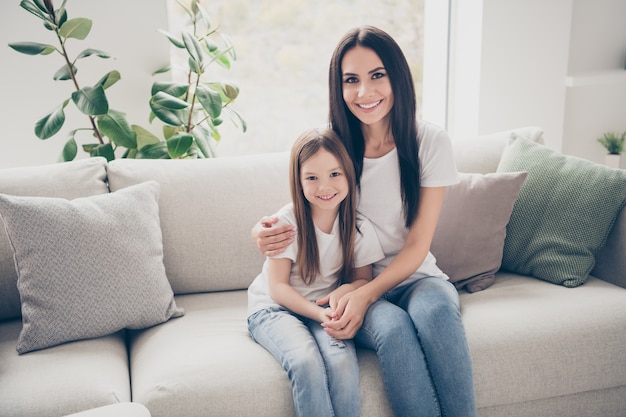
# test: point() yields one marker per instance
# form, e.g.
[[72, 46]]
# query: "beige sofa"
[[538, 348]]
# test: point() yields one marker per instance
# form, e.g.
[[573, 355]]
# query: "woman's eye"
[[378, 75], [350, 80]]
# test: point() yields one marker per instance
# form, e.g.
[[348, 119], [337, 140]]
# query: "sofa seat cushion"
[[206, 363], [533, 340], [530, 340], [64, 379]]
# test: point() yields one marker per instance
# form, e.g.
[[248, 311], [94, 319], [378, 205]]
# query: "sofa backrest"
[[69, 180], [207, 209]]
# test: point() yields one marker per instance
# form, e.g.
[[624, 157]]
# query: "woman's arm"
[[279, 270], [351, 307], [270, 239], [362, 276]]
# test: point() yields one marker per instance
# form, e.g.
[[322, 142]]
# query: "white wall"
[[596, 103], [509, 63], [127, 30], [514, 60]]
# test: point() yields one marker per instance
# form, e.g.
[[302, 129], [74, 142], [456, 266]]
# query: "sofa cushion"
[[532, 340], [208, 208], [563, 214], [481, 154], [88, 267], [208, 361], [63, 379], [74, 179], [469, 238]]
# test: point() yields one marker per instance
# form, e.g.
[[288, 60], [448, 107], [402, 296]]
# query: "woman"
[[409, 314]]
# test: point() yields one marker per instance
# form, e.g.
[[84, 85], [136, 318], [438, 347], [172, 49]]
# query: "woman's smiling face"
[[366, 86]]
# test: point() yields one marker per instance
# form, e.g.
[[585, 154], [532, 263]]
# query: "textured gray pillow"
[[469, 239], [88, 267]]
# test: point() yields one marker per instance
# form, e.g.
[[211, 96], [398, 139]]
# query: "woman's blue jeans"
[[417, 333], [323, 372]]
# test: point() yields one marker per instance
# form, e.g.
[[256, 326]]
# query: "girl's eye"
[[310, 178], [335, 174]]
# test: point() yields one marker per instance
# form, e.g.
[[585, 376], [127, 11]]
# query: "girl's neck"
[[324, 219]]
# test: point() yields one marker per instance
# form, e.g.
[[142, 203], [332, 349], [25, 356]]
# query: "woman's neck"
[[378, 139]]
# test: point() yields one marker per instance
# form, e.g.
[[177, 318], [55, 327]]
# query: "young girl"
[[333, 252]]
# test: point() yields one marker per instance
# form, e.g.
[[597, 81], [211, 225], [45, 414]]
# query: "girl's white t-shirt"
[[380, 198], [367, 250]]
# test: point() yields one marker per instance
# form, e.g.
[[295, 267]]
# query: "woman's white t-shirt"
[[380, 199], [367, 250]]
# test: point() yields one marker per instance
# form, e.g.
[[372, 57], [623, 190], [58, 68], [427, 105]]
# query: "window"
[[283, 51]]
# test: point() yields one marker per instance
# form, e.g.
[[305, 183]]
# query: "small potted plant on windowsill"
[[614, 144]]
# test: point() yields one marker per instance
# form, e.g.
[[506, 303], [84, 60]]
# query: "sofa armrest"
[[611, 258]]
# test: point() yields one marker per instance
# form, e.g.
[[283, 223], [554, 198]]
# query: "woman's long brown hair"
[[403, 114], [307, 258]]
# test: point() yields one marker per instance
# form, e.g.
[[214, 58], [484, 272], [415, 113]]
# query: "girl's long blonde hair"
[[308, 260]]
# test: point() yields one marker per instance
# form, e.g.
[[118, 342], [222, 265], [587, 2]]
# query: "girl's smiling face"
[[324, 183], [366, 87]]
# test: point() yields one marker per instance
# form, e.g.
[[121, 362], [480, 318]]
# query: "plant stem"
[[92, 119]]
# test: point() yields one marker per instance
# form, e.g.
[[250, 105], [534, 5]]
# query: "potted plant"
[[614, 144], [191, 112]]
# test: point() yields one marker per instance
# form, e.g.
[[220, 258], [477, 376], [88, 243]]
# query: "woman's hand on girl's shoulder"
[[271, 239]]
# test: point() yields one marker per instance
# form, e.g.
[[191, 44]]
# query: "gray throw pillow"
[[88, 267], [469, 238]]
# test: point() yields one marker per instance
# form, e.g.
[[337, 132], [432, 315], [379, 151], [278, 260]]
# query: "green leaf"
[[89, 51], [31, 7], [163, 70], [228, 42], [171, 88], [242, 123], [144, 137], [70, 150], [91, 100], [115, 127], [105, 150], [194, 48], [168, 101], [168, 108], [50, 124], [178, 144], [204, 141], [77, 28], [64, 73], [210, 100], [231, 91], [33, 48], [177, 43], [109, 79], [153, 151]]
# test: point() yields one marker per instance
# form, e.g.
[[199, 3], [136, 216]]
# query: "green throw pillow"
[[563, 215]]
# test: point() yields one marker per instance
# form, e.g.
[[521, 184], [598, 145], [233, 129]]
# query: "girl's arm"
[[351, 307], [270, 239], [279, 270], [362, 276]]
